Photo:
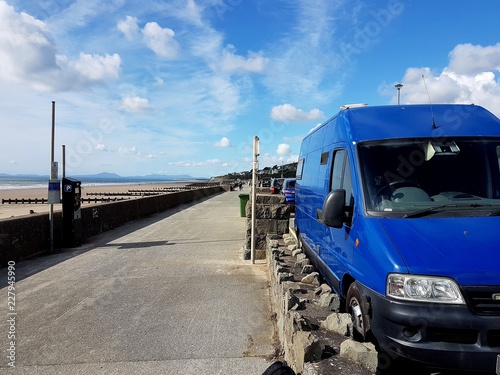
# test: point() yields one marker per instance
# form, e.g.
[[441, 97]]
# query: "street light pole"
[[256, 152], [399, 86]]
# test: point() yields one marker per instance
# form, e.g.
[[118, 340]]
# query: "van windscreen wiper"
[[425, 211]]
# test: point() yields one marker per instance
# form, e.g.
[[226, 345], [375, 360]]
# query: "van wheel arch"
[[355, 304]]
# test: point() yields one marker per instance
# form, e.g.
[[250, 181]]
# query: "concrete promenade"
[[169, 294]]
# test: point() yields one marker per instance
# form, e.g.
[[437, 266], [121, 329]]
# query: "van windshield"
[[431, 177]]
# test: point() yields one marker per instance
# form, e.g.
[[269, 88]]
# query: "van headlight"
[[423, 289]]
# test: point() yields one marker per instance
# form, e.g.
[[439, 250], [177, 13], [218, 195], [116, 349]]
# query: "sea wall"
[[25, 236]]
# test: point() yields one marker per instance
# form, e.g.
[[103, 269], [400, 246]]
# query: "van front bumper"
[[436, 335]]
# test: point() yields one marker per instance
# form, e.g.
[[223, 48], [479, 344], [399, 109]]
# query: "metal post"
[[51, 214], [63, 161], [399, 86], [254, 196]]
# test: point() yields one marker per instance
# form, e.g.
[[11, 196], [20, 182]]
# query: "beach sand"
[[14, 210]]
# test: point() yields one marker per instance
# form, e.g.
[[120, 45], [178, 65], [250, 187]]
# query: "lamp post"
[[398, 86], [256, 153]]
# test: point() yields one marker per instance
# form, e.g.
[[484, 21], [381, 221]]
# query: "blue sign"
[[54, 185]]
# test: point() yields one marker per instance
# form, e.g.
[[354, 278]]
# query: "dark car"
[[276, 185], [288, 190]]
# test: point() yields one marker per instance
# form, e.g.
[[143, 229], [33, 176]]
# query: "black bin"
[[71, 211]]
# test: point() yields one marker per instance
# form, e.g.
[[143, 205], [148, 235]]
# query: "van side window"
[[300, 168], [324, 158], [338, 168], [341, 175]]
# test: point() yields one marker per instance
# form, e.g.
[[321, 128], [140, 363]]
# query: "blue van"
[[289, 190], [399, 209]]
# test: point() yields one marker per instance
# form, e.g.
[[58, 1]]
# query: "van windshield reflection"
[[431, 177]]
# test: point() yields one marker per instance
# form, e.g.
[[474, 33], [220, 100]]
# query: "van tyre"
[[357, 309]]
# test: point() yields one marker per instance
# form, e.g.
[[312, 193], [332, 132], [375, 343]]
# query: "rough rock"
[[339, 323], [307, 269], [300, 256], [312, 279], [322, 289], [292, 302], [307, 348], [330, 300], [303, 262], [360, 352], [285, 276], [288, 239]]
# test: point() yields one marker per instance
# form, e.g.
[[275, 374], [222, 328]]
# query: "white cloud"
[[29, 56], [470, 77], [306, 55], [223, 143], [283, 149], [100, 147], [26, 45], [135, 104], [266, 160], [129, 27], [203, 163], [160, 40], [191, 13], [128, 151], [254, 63], [468, 59], [288, 112], [97, 67]]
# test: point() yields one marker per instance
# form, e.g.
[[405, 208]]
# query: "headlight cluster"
[[423, 289]]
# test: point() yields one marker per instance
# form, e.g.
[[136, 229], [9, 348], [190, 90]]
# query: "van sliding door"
[[337, 246]]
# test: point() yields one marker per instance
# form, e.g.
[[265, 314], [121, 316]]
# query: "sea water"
[[30, 182]]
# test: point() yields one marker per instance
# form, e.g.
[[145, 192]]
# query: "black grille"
[[481, 299], [456, 336], [493, 338]]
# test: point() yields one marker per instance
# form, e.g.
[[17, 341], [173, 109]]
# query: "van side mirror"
[[332, 214]]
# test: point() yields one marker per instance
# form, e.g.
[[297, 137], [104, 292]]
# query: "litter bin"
[[244, 198]]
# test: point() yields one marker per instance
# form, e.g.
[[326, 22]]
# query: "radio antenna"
[[430, 103]]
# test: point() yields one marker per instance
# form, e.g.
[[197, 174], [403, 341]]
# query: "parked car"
[[288, 190], [276, 185], [398, 207]]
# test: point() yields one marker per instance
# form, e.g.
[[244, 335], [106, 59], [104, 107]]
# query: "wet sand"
[[13, 210]]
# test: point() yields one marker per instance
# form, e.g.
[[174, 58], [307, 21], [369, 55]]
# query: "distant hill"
[[103, 175]]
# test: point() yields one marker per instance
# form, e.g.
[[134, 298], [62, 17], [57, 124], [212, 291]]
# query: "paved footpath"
[[166, 295]]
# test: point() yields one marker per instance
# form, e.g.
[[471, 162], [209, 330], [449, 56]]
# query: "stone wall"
[[26, 236], [316, 336], [272, 216]]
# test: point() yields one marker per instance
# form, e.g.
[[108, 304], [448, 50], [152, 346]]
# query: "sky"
[[181, 87]]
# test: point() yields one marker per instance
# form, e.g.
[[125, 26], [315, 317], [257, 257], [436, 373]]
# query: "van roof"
[[409, 121]]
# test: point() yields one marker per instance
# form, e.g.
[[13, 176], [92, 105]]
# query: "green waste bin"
[[244, 198]]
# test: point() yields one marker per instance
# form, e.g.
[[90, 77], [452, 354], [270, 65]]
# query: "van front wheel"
[[355, 306]]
